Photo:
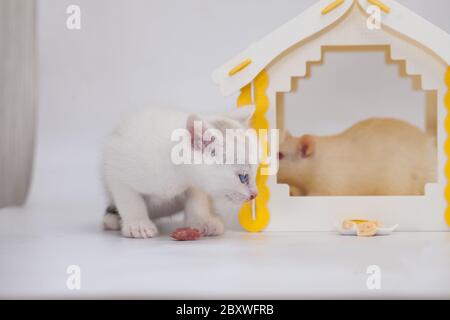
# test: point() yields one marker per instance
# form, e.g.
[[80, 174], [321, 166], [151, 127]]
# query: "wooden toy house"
[[266, 69]]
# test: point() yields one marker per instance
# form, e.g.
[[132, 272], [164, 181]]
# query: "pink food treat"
[[186, 234]]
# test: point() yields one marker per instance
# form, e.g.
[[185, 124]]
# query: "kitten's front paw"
[[210, 226], [141, 229]]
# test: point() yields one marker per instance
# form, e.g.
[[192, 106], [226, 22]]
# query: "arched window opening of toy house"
[[357, 125]]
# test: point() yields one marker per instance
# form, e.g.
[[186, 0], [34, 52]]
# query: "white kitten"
[[143, 182]]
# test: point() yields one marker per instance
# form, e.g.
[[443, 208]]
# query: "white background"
[[135, 53], [143, 53]]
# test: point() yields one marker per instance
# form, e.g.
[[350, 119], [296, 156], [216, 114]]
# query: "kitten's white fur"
[[143, 183]]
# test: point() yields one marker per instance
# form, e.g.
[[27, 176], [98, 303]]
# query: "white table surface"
[[38, 244]]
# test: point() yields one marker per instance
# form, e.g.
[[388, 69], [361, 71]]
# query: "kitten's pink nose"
[[253, 196]]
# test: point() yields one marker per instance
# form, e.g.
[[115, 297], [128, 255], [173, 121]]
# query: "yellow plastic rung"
[[245, 98], [332, 6], [241, 66], [380, 5], [255, 218]]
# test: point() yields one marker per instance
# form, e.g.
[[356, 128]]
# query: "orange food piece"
[[366, 229], [377, 223], [186, 234], [348, 224]]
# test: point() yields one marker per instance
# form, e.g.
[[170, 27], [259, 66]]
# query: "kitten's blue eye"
[[243, 178]]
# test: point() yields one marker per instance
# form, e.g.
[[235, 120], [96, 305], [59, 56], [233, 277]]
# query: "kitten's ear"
[[197, 128], [306, 146], [243, 115]]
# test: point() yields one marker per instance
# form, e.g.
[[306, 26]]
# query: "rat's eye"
[[280, 156], [243, 178]]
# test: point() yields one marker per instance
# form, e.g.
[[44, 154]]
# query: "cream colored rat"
[[373, 157]]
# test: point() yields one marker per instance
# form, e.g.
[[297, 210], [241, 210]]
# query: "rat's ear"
[[306, 146], [284, 135], [243, 115], [197, 127]]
